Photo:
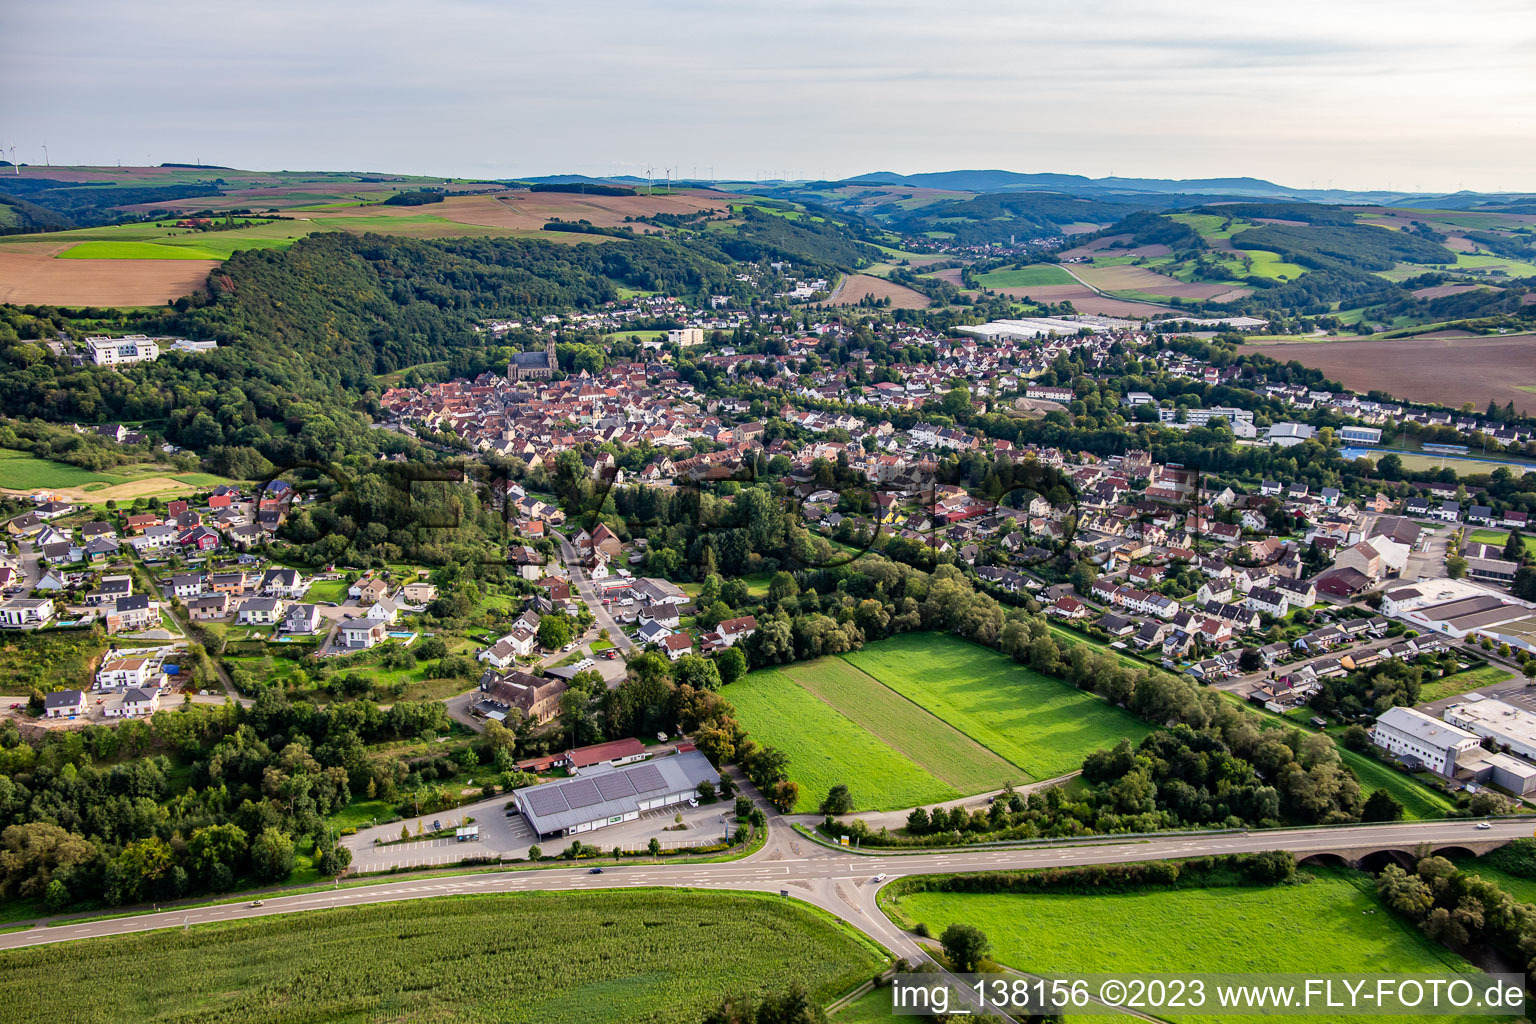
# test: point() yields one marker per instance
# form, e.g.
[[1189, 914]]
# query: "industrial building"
[[1505, 724], [605, 795], [1412, 735]]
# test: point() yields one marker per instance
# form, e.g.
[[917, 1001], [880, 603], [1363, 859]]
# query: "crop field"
[[1139, 282], [1084, 299], [1043, 725], [539, 958], [1331, 923], [30, 277], [922, 718], [1414, 368], [854, 288], [1025, 277], [937, 746], [826, 748], [1112, 246]]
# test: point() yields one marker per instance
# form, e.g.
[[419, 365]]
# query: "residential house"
[[302, 618], [260, 611], [363, 633], [64, 704]]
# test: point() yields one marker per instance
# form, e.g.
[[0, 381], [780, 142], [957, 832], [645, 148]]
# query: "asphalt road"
[[842, 883], [588, 593]]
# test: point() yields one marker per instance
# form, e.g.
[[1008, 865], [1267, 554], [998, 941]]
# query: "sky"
[[1359, 94]]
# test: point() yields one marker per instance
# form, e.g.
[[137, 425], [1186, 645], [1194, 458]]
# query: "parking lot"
[[509, 835]]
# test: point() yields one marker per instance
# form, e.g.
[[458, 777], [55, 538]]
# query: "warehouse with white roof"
[[604, 795]]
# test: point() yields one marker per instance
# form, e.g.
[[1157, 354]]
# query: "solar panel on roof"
[[546, 801], [581, 793], [615, 787], [647, 779]]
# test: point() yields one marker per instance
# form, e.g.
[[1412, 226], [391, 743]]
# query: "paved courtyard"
[[509, 835]]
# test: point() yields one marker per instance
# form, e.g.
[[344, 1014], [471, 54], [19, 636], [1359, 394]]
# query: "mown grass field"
[[922, 718], [826, 748], [1330, 924], [1041, 724], [938, 747], [22, 471], [538, 958], [1461, 682], [1026, 277], [1500, 537]]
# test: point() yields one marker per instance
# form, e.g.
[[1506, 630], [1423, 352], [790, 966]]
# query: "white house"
[[63, 704], [26, 612], [363, 633], [260, 611]]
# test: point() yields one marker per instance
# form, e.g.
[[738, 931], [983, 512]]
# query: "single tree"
[[838, 800], [964, 945]]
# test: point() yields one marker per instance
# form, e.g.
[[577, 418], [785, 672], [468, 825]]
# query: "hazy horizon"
[[1358, 95]]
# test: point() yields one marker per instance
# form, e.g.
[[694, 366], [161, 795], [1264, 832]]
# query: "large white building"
[[136, 348], [604, 795], [687, 337], [1508, 725], [1405, 732]]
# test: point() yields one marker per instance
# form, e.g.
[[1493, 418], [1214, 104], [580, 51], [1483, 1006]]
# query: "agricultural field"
[[149, 263], [826, 748], [1139, 283], [1329, 923], [38, 277], [922, 718], [1041, 724], [855, 288], [1026, 277], [1493, 367], [578, 958]]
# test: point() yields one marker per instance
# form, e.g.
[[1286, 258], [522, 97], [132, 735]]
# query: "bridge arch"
[[1454, 851], [1324, 860], [1377, 860]]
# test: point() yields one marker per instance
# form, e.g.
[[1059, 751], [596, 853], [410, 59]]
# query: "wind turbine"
[[649, 180], [46, 161], [669, 171], [14, 165]]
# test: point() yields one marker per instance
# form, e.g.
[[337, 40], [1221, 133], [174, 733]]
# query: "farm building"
[[604, 795]]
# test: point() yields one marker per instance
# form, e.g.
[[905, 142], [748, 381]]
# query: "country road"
[[841, 883]]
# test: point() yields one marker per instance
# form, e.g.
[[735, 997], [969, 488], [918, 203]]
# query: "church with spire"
[[533, 365]]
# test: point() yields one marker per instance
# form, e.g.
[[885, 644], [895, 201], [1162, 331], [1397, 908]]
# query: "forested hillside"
[[303, 332]]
